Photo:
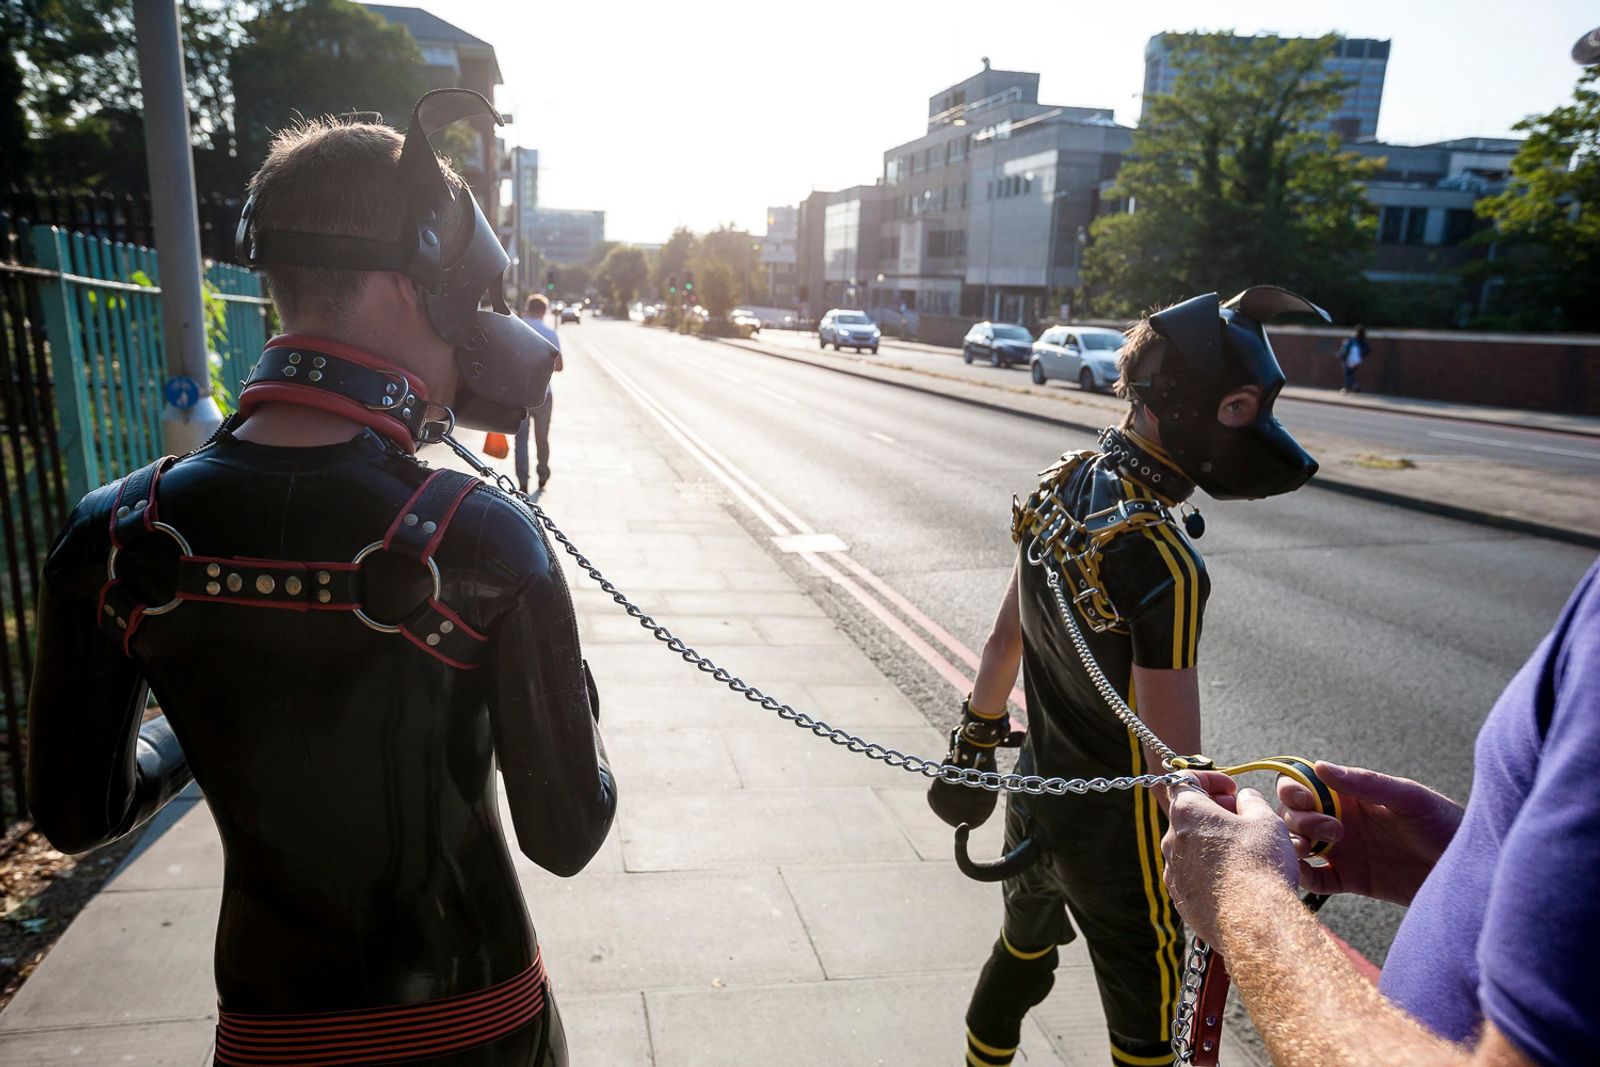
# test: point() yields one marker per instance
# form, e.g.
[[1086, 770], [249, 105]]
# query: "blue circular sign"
[[182, 393]]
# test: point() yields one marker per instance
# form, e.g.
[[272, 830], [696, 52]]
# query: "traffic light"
[[672, 285], [550, 280], [688, 282]]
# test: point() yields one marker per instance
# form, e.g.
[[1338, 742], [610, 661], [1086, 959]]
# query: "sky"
[[705, 112]]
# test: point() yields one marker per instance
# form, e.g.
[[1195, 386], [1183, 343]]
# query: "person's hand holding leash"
[[1220, 834], [1390, 834]]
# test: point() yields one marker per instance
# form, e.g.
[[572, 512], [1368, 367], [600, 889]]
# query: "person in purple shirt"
[[1495, 961]]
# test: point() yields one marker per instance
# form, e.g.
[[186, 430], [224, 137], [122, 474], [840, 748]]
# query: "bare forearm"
[[1002, 655], [1307, 1001]]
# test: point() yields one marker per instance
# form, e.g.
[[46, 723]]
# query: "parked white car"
[[1085, 354], [848, 329]]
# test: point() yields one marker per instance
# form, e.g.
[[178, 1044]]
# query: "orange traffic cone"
[[496, 445]]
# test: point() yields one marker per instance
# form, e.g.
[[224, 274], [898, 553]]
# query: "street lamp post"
[[191, 414]]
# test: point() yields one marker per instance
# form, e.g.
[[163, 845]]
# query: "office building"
[[982, 213], [457, 59], [526, 265], [562, 236], [1362, 60], [1426, 197], [780, 256], [850, 246]]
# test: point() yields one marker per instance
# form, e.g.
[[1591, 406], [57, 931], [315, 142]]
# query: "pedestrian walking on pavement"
[[535, 312], [347, 742], [1201, 379], [1351, 354]]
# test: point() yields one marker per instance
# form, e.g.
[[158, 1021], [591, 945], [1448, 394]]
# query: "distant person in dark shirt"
[[534, 311], [1351, 353], [1494, 963]]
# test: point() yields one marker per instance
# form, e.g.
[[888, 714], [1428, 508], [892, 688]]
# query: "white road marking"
[[1507, 444], [810, 544], [885, 438]]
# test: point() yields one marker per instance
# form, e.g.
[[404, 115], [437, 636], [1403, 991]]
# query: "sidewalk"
[[764, 897]]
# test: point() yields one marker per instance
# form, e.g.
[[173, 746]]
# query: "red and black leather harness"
[[293, 585]]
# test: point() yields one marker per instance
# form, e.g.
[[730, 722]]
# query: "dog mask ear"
[[1261, 301]]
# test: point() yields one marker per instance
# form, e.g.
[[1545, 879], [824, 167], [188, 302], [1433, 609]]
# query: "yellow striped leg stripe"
[[982, 1055], [1020, 954], [1164, 1060]]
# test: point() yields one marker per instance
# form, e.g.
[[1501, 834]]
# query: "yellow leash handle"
[[1300, 770]]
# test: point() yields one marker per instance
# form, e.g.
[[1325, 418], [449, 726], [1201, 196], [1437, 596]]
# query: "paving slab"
[[180, 850], [135, 956], [689, 759], [904, 1021], [185, 1043], [610, 933], [768, 760], [605, 1028], [744, 828]]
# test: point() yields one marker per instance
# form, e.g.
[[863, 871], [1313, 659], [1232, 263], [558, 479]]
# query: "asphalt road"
[[1390, 433], [1336, 628]]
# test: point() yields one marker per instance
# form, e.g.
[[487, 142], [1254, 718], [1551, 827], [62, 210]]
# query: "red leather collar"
[[285, 392]]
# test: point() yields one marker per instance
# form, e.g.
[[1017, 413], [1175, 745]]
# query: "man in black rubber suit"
[[344, 643], [1101, 536]]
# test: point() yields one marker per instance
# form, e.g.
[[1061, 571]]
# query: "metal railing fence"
[[81, 395]]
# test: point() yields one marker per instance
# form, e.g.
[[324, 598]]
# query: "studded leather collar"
[[1146, 463], [342, 380]]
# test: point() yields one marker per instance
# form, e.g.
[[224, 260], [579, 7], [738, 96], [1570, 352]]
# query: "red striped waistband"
[[383, 1035]]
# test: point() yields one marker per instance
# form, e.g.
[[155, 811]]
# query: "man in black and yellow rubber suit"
[[1201, 378]]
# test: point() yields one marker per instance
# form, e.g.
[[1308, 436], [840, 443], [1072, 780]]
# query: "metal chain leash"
[[993, 781], [1196, 961], [1108, 692]]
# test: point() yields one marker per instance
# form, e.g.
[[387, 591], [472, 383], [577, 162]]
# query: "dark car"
[[1001, 343]]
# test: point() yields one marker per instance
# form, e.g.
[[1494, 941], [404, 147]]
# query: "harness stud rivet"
[[213, 588], [291, 585], [318, 361], [391, 389], [122, 512], [294, 357], [411, 519], [388, 401], [323, 578], [429, 527], [432, 639], [110, 610], [289, 372], [122, 624], [265, 584], [446, 626], [213, 569], [315, 376], [323, 596], [235, 583]]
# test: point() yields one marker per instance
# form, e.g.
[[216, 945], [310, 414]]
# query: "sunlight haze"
[[701, 114]]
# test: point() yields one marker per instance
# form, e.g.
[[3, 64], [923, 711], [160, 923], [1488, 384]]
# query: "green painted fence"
[[102, 308]]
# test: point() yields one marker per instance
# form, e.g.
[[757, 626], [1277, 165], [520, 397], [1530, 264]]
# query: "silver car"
[[1085, 354], [848, 329]]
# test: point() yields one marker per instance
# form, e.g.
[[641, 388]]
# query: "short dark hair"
[[536, 305], [342, 177]]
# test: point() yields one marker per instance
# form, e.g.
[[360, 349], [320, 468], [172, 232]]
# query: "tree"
[[1229, 185], [675, 256], [77, 92], [320, 57], [740, 253], [1547, 220], [572, 280], [621, 275], [717, 289]]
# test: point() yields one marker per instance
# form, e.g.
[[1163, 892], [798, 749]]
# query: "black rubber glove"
[[972, 744]]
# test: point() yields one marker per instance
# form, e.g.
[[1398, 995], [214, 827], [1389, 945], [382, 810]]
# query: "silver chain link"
[[993, 781], [1196, 962]]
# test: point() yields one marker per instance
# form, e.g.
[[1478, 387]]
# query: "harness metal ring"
[[183, 548], [384, 627]]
